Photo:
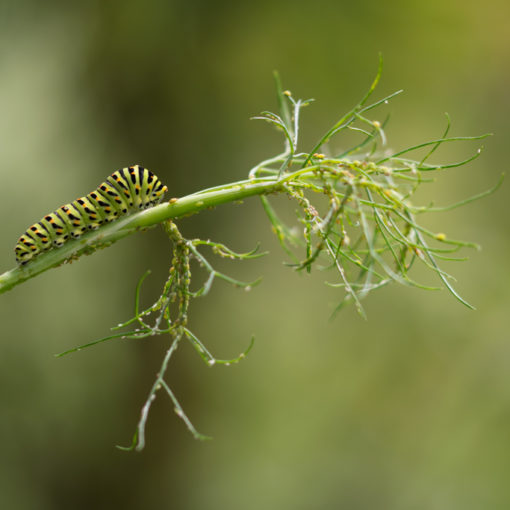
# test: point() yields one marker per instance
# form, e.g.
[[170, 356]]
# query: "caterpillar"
[[126, 190]]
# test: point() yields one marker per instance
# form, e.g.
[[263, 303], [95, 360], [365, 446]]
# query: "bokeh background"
[[410, 409]]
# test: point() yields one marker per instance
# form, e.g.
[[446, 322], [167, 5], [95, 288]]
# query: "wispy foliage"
[[355, 214]]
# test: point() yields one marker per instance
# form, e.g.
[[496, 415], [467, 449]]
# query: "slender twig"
[[353, 216]]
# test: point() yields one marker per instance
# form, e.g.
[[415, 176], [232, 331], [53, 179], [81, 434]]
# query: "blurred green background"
[[409, 410]]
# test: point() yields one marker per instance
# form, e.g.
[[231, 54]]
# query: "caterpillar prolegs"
[[125, 191]]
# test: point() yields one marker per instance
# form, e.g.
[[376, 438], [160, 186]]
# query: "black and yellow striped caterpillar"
[[126, 190]]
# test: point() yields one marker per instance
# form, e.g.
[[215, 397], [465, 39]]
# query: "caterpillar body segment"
[[125, 191]]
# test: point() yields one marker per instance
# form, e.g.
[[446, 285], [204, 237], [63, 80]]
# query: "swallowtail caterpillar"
[[125, 191]]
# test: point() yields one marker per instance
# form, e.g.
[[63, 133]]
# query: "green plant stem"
[[174, 208]]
